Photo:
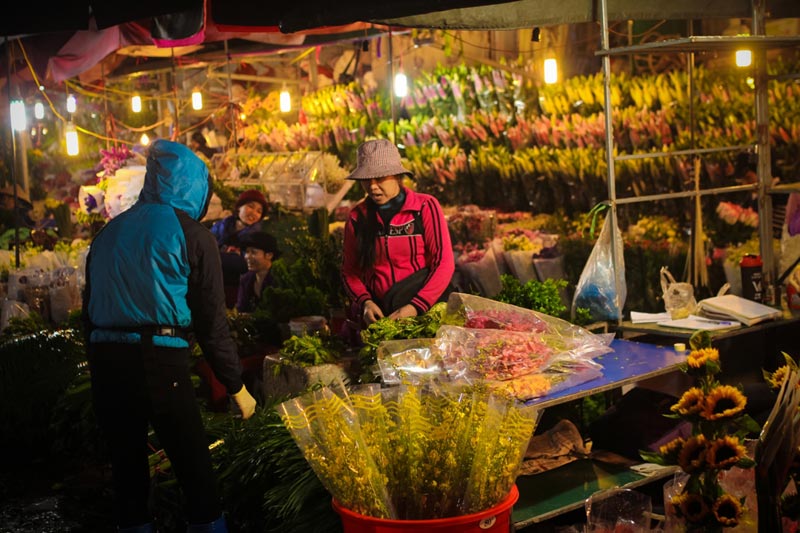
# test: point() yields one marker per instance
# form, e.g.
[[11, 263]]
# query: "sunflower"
[[692, 456], [724, 453], [672, 449], [724, 401], [694, 507], [778, 377], [727, 510], [690, 403], [699, 358]]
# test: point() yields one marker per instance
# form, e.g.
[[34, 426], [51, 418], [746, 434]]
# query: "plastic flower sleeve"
[[490, 354], [500, 444], [408, 361], [560, 375], [326, 430], [565, 339]]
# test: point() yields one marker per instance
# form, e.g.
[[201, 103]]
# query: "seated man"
[[260, 249]]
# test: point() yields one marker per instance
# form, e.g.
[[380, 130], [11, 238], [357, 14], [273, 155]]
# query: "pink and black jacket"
[[416, 237]]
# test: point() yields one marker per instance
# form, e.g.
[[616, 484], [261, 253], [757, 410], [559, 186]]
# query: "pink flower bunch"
[[732, 213], [469, 252]]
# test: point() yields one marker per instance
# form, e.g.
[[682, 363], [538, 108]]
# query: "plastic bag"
[[597, 287], [408, 361], [679, 299]]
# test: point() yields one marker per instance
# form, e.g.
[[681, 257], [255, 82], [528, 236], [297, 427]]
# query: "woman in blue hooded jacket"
[[153, 275]]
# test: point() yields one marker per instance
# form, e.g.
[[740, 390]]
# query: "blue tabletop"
[[629, 362]]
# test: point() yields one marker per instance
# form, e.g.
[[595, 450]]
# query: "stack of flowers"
[[716, 445], [409, 452], [518, 351], [735, 224]]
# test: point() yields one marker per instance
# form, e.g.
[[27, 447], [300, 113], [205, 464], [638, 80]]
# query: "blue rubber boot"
[[217, 526], [144, 528]]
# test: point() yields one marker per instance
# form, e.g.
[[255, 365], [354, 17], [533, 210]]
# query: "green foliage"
[[309, 284], [385, 329], [226, 194], [266, 482], [35, 370], [310, 350], [18, 326], [542, 296]]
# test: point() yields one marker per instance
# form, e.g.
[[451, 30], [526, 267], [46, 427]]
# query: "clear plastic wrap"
[[412, 453], [408, 361], [566, 340]]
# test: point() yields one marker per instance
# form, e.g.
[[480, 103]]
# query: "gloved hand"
[[245, 402]]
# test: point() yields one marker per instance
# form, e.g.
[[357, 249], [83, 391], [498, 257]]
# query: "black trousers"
[[133, 387]]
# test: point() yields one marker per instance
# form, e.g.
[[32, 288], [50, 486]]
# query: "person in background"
[[152, 274], [397, 257], [199, 144], [246, 218], [260, 250]]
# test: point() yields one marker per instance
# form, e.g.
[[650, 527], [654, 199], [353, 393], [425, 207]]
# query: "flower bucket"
[[496, 519]]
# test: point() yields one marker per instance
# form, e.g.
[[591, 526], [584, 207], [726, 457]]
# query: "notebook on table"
[[732, 307]]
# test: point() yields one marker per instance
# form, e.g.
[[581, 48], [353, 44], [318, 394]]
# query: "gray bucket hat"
[[378, 159]]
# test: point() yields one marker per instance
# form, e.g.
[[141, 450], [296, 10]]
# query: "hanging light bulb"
[[550, 71], [72, 139], [744, 58], [38, 110], [286, 101], [197, 99], [18, 120], [400, 85], [136, 103], [144, 139], [72, 103]]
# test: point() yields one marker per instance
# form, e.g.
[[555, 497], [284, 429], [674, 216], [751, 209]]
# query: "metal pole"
[[105, 106], [612, 186], [764, 168], [391, 88], [13, 159], [176, 133], [230, 98]]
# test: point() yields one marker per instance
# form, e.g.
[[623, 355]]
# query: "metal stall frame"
[[759, 43]]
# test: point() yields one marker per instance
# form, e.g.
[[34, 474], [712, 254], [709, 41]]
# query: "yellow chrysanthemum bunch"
[[719, 425]]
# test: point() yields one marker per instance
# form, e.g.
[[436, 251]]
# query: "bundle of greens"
[[412, 453]]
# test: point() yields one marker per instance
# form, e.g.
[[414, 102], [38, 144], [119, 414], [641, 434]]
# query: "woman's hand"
[[403, 312], [372, 313]]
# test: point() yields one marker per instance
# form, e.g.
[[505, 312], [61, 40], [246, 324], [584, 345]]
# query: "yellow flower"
[[698, 358], [672, 449], [723, 402], [692, 456], [691, 402], [725, 452], [727, 510], [778, 377], [694, 507]]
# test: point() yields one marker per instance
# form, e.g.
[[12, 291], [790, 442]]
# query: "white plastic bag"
[[597, 286]]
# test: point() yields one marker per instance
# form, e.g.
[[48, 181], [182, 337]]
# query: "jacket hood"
[[176, 177]]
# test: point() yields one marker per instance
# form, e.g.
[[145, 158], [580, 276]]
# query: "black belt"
[[158, 331]]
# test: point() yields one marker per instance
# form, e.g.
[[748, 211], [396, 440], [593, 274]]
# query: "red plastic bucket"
[[496, 519]]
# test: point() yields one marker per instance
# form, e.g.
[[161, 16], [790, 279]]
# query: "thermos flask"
[[752, 287]]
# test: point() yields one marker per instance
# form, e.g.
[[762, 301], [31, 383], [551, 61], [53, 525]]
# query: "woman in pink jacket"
[[398, 259]]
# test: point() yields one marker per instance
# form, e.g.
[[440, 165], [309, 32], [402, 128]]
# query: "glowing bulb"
[[136, 103], [750, 82], [744, 58], [72, 139], [286, 101], [197, 100], [550, 71], [38, 110], [18, 120], [72, 104], [242, 116], [400, 85], [144, 139]]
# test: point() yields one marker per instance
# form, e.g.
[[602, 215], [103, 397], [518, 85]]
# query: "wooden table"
[[548, 494]]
